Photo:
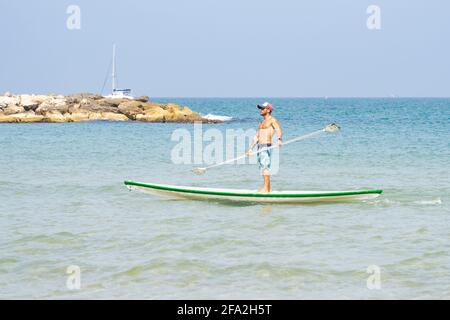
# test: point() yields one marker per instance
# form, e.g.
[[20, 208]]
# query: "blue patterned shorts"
[[264, 157]]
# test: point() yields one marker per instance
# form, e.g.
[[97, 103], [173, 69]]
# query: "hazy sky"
[[228, 48]]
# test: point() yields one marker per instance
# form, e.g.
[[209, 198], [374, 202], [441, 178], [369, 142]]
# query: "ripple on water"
[[163, 267], [55, 238], [8, 260], [219, 244], [436, 201]]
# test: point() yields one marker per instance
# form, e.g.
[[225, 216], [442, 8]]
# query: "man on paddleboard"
[[263, 139]]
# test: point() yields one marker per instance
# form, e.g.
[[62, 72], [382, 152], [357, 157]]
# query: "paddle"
[[333, 127]]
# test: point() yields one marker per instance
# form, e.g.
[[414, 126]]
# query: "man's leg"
[[264, 164], [267, 181], [266, 176]]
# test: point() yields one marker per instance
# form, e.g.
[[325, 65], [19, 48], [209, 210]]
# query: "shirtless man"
[[263, 139]]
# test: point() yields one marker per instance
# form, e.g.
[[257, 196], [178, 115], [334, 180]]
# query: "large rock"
[[5, 118], [12, 109], [54, 104], [176, 113], [80, 96], [171, 107], [78, 116], [85, 102], [151, 105], [39, 98], [29, 102], [175, 116], [156, 114], [111, 102], [114, 116], [149, 118], [83, 98], [142, 99], [74, 108], [131, 109], [26, 117], [187, 115], [94, 107], [55, 116], [89, 105], [5, 101], [108, 116], [95, 116]]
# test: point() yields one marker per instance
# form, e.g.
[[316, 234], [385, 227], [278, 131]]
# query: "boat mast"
[[114, 69]]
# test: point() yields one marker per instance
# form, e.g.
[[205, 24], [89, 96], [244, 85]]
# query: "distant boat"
[[117, 93]]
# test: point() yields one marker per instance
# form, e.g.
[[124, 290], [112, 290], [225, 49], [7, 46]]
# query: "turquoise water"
[[62, 203]]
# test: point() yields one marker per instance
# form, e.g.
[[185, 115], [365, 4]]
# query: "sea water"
[[63, 205]]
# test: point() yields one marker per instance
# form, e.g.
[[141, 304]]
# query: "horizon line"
[[298, 97], [243, 97]]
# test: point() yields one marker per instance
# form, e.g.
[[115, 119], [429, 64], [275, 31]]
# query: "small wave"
[[389, 202], [429, 202], [382, 202], [214, 117]]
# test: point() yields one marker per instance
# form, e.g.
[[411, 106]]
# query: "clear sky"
[[228, 48]]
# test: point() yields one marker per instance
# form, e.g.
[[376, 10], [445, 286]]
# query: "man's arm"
[[254, 142], [278, 131]]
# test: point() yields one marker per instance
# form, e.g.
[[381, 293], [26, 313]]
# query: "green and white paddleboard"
[[239, 195]]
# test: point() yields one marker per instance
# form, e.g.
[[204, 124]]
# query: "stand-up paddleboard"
[[239, 195]]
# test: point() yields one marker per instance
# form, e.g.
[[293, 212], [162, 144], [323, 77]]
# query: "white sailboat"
[[117, 93]]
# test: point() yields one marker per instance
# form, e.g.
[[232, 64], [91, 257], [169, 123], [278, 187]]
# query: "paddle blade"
[[199, 171], [333, 127]]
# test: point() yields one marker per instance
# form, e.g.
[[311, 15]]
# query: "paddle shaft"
[[265, 149]]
